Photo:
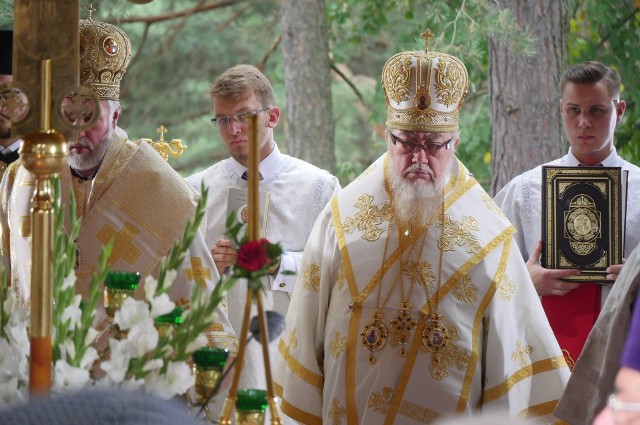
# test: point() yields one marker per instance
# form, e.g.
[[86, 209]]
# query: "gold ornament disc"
[[374, 335], [435, 336]]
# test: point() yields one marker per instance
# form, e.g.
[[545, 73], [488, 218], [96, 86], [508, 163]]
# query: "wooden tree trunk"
[[525, 92], [308, 115]]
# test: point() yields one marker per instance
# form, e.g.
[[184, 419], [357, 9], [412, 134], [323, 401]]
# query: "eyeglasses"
[[621, 409], [411, 147], [241, 118]]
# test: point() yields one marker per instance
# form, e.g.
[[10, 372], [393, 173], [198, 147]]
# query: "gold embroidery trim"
[[473, 362], [336, 412], [349, 376], [293, 412], [197, 272], [368, 218], [338, 345], [522, 353], [297, 368], [538, 410], [123, 246], [311, 277], [534, 368]]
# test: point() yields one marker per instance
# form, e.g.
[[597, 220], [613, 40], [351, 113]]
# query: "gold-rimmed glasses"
[[241, 118], [411, 147]]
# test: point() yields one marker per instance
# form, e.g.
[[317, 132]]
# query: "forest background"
[[325, 57]]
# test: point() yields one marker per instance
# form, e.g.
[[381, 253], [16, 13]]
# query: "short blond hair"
[[242, 81]]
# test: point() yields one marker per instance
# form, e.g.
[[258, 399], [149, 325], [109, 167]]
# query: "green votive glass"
[[209, 363], [170, 320], [118, 286], [251, 405]]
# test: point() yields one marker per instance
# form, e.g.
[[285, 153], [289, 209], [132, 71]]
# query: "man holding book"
[[293, 193], [591, 109]]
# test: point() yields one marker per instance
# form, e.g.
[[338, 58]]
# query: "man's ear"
[[621, 106], [116, 115], [274, 116]]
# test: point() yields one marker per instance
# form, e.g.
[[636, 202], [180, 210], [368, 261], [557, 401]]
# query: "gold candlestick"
[[253, 232], [44, 154]]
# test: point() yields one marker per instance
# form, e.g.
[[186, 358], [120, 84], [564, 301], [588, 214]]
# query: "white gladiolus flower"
[[142, 338], [117, 366], [16, 331], [199, 342], [89, 357], [10, 303], [68, 349], [91, 336], [10, 393], [73, 313], [152, 365], [169, 277], [132, 384], [177, 380], [131, 313], [69, 281], [150, 286], [9, 361], [67, 378], [161, 305]]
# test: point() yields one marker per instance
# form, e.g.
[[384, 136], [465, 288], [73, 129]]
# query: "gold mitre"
[[424, 90], [105, 51]]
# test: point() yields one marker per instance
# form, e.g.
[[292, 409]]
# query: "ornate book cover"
[[583, 216], [237, 203]]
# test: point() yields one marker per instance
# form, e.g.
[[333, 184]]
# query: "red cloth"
[[572, 316]]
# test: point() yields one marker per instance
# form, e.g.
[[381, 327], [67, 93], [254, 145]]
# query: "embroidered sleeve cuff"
[[282, 282]]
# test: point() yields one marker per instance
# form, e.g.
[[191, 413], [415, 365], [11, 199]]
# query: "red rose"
[[265, 242], [252, 256]]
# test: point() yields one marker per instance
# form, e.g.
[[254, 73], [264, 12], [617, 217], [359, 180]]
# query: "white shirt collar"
[[609, 161], [267, 167], [11, 148]]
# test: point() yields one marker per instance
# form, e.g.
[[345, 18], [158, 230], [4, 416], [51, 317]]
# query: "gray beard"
[[93, 158], [416, 202]]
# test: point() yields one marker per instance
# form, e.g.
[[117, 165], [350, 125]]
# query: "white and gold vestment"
[[501, 354]]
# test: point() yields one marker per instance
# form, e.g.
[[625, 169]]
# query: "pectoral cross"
[[401, 328]]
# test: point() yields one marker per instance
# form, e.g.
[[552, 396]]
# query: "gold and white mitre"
[[424, 90], [105, 51]]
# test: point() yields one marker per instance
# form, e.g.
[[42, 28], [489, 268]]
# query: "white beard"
[[416, 202], [92, 158]]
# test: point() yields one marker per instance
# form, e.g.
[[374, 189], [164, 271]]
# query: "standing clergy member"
[[298, 191], [591, 109], [9, 143], [413, 301], [123, 190]]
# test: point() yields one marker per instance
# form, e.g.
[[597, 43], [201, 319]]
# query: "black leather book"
[[583, 218]]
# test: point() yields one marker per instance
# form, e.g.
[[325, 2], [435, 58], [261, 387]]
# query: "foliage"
[[176, 59]]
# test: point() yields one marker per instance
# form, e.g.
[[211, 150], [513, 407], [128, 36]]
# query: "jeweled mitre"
[[105, 51], [424, 91]]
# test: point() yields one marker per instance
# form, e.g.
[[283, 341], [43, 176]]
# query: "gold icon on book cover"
[[582, 224]]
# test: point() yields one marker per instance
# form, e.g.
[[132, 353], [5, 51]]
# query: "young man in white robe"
[[414, 302], [591, 109], [297, 190]]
